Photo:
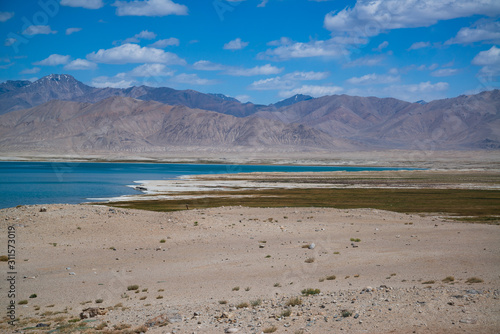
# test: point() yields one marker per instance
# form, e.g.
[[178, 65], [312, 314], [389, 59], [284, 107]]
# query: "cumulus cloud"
[[287, 49], [490, 60], [193, 79], [53, 60], [80, 64], [145, 34], [419, 45], [366, 61], [149, 8], [163, 43], [9, 41], [5, 16], [373, 79], [133, 53], [445, 72], [288, 81], [38, 30], [151, 70], [31, 70], [375, 16], [483, 31], [236, 44], [118, 81], [257, 70], [206, 65], [70, 31], [312, 90], [89, 4]]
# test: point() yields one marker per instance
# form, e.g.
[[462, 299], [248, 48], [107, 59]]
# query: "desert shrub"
[[308, 292], [132, 287], [474, 280], [295, 301]]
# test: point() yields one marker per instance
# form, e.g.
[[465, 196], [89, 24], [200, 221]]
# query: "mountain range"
[[58, 113]]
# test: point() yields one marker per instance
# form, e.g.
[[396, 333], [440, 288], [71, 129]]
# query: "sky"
[[261, 51]]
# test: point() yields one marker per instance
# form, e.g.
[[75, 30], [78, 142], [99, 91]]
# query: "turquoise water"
[[27, 183]]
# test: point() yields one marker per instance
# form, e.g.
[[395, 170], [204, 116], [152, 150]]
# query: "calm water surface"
[[26, 183]]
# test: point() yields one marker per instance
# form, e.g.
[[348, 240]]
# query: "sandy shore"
[[187, 265]]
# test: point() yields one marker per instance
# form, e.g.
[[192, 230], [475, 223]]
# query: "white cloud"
[[206, 65], [373, 79], [488, 57], [381, 46], [374, 16], [236, 44], [366, 61], [162, 43], [483, 31], [289, 49], [38, 30], [445, 72], [133, 53], [145, 34], [149, 8], [193, 79], [9, 41], [89, 4], [5, 16], [53, 60], [80, 64], [276, 83], [31, 70], [490, 60], [151, 70], [243, 98], [315, 91], [419, 45], [257, 70], [70, 31], [288, 81], [118, 81]]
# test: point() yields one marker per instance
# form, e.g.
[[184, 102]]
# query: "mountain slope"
[[121, 124]]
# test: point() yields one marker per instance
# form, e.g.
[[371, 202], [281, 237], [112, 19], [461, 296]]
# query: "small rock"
[[468, 321], [72, 273], [43, 209], [231, 330], [311, 246], [42, 325]]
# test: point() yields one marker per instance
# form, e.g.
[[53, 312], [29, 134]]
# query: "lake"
[[27, 183]]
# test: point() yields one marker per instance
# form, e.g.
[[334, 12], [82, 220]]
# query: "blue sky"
[[259, 50]]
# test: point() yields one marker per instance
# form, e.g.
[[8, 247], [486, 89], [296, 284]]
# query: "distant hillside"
[[335, 122], [124, 124]]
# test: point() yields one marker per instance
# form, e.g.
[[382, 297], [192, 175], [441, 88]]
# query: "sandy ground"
[[188, 264]]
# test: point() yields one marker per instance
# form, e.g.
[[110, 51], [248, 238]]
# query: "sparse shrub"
[[309, 260], [120, 327], [23, 302], [132, 287], [145, 290], [236, 288], [242, 305], [195, 223], [448, 279], [355, 240], [256, 302], [101, 326], [271, 329], [223, 302], [322, 279], [99, 301], [474, 280], [143, 298], [308, 292], [429, 282], [162, 241], [331, 278], [295, 301], [161, 290], [346, 313], [286, 313], [336, 253], [277, 285], [4, 258], [159, 297], [247, 288], [33, 295], [268, 256], [74, 320]]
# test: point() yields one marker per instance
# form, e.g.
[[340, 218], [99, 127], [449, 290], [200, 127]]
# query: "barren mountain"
[[126, 124]]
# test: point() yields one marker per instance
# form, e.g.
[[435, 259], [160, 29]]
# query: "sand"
[[190, 261]]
